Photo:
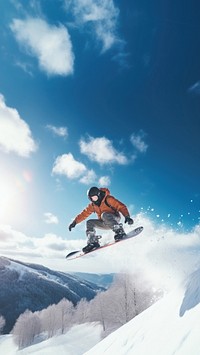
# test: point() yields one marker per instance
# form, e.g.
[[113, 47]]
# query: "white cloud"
[[160, 244], [73, 169], [66, 165], [6, 234], [122, 57], [104, 181], [51, 45], [138, 142], [102, 151], [50, 218], [59, 131], [88, 178], [195, 88], [15, 134], [25, 66], [101, 16], [13, 242]]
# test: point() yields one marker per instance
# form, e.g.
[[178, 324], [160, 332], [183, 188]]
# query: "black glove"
[[128, 220], [72, 225]]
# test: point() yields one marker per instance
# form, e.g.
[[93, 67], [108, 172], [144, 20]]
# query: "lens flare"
[[13, 194]]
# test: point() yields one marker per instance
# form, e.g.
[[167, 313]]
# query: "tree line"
[[127, 296], [2, 323]]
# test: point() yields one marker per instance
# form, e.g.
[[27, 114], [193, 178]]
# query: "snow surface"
[[168, 259], [169, 327], [76, 341], [163, 255]]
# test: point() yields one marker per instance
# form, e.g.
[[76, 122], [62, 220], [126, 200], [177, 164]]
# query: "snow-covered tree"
[[121, 298], [129, 295], [98, 309], [134, 294], [82, 312], [26, 328], [49, 321], [2, 323], [64, 314]]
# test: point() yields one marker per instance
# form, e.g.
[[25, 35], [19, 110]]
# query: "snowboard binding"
[[93, 242], [119, 232]]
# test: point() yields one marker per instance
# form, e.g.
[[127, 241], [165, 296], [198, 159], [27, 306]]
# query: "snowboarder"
[[107, 209]]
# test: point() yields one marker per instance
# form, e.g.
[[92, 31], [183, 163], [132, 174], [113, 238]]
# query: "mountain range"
[[35, 287]]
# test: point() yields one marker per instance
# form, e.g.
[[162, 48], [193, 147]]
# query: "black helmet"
[[93, 191]]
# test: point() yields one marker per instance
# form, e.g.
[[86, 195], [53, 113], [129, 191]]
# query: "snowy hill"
[[75, 342], [169, 259], [169, 327], [34, 287]]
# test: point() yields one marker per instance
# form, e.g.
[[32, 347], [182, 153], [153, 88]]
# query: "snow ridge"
[[169, 327]]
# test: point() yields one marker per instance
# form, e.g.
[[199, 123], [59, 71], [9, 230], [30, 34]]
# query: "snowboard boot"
[[119, 232], [92, 243]]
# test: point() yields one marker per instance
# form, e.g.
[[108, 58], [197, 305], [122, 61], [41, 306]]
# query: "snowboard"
[[79, 253]]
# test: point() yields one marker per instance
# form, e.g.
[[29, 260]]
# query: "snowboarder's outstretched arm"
[[81, 216]]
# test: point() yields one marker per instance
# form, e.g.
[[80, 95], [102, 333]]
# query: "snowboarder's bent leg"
[[119, 232], [107, 221], [91, 224], [112, 221], [92, 238], [92, 242]]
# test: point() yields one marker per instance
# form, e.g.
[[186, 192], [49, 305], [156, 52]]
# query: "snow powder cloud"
[[158, 245]]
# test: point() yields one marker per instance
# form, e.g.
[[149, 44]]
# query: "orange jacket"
[[92, 208]]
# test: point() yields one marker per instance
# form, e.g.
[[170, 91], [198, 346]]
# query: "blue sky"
[[100, 93]]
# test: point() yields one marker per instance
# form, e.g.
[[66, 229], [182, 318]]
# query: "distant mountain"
[[34, 287], [102, 280]]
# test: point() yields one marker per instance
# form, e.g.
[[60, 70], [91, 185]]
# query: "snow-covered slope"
[[76, 341], [35, 287], [169, 327], [169, 259]]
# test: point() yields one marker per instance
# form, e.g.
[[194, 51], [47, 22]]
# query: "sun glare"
[[11, 197], [6, 197]]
